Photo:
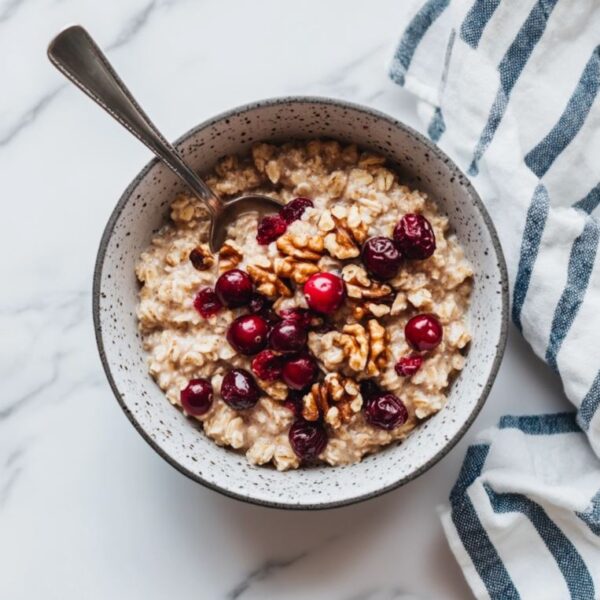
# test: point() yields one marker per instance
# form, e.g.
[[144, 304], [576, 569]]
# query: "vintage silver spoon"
[[75, 54]]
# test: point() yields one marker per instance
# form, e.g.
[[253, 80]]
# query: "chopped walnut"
[[267, 281], [359, 311], [201, 258], [337, 398], [344, 229], [296, 270], [302, 247], [350, 346], [378, 348], [359, 286], [230, 256]]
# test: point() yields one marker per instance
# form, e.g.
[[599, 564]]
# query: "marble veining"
[[87, 510]]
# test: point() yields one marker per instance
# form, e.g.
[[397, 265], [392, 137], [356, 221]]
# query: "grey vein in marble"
[[128, 33], [272, 566], [9, 8]]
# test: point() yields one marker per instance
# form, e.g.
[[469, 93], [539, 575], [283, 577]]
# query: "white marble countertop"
[[87, 509]]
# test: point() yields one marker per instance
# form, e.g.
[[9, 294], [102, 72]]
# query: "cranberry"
[[239, 390], [414, 236], [267, 365], [270, 228], [293, 402], [408, 365], [381, 257], [324, 292], [301, 316], [287, 336], [299, 372], [234, 288], [248, 334], [293, 210], [369, 389], [207, 302], [423, 332], [307, 439], [258, 303], [386, 411], [196, 397]]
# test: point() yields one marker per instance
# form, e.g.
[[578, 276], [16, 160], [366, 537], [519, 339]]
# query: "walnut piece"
[[378, 348], [202, 258], [267, 281], [301, 247], [359, 286], [349, 346], [230, 256], [337, 398]]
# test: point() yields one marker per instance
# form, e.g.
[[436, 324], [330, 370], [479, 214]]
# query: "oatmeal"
[[320, 334]]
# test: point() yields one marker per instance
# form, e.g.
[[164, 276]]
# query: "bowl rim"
[[300, 99]]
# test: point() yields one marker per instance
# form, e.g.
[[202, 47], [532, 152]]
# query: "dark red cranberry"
[[385, 411], [408, 365], [207, 302], [300, 371], [267, 365], [293, 210], [234, 288], [297, 315], [248, 334], [369, 389], [258, 303], [307, 439], [270, 228], [239, 390], [381, 257], [423, 332], [199, 260], [287, 336], [414, 236], [196, 397], [293, 402], [324, 292]]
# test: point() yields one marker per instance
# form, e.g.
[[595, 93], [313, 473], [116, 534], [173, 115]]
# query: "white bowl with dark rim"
[[143, 208]]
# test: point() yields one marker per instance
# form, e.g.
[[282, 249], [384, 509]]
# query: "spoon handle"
[[75, 54]]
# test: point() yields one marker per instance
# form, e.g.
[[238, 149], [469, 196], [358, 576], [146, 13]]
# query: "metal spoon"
[[75, 54]]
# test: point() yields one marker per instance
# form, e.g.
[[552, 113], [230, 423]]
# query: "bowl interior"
[[143, 209]]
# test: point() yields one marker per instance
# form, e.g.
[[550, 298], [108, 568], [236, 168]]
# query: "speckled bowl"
[[143, 208]]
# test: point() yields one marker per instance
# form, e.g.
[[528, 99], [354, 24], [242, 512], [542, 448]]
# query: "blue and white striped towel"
[[509, 88]]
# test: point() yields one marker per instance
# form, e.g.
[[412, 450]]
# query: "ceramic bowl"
[[143, 208]]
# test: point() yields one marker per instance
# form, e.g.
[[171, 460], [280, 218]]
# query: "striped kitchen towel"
[[524, 520], [509, 88]]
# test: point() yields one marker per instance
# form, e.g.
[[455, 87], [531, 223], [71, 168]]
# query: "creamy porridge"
[[320, 334]]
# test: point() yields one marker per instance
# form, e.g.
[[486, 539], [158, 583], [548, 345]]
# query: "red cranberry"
[[324, 292], [207, 302], [287, 336], [293, 402], [381, 257], [307, 439], [299, 372], [196, 397], [385, 411], [234, 288], [239, 390], [248, 334], [297, 315], [258, 303], [414, 236], [267, 365], [423, 332], [408, 365], [270, 228], [293, 210], [369, 389]]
